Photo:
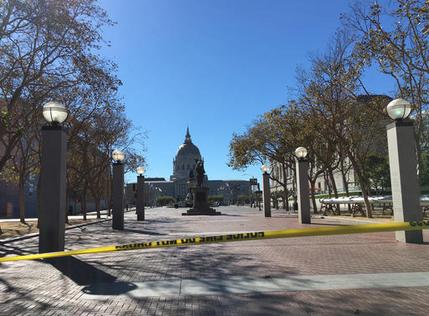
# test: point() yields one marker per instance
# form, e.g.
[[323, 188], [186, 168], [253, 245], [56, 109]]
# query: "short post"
[[266, 191], [118, 191], [403, 169], [53, 179], [140, 195], [304, 216]]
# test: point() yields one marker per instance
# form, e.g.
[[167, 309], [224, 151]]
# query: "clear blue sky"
[[214, 65]]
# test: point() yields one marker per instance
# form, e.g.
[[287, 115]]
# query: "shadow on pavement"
[[14, 250], [96, 281], [145, 232]]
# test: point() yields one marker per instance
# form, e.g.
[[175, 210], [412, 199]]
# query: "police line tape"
[[199, 240]]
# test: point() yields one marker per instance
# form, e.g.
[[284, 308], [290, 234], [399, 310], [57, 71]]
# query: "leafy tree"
[[355, 123], [49, 50], [424, 172], [273, 137], [399, 49], [378, 173]]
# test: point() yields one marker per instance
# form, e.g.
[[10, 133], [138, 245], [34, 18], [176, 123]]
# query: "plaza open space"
[[214, 157], [363, 274]]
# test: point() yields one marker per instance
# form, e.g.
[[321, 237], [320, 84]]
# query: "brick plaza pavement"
[[367, 274]]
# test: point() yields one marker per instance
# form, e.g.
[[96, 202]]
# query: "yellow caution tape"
[[198, 240]]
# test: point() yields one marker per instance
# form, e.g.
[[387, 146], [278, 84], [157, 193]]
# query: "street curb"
[[28, 236], [356, 220]]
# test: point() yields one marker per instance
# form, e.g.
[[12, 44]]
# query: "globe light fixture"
[[54, 112], [301, 152], [118, 156], [140, 170], [265, 169], [398, 109]]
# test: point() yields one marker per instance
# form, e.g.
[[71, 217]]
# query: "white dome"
[[186, 157]]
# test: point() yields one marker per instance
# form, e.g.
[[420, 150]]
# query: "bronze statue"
[[199, 170], [199, 192]]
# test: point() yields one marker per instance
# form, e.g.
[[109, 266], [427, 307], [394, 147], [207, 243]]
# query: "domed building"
[[178, 187], [186, 157]]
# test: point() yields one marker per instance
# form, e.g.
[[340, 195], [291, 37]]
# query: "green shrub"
[[165, 200], [215, 198]]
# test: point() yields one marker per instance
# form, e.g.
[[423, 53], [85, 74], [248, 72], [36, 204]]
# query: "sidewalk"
[[367, 274], [89, 215], [355, 219]]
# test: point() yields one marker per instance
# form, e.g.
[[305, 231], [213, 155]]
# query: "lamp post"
[[118, 190], [266, 190], [53, 179], [259, 196], [140, 194], [253, 188], [303, 195], [403, 169]]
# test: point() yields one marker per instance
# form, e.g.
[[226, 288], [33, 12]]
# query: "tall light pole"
[[53, 179], [253, 188], [266, 190], [403, 169], [140, 194], [118, 190], [303, 195]]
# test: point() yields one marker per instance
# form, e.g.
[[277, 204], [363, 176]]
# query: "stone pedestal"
[[201, 204], [404, 180], [304, 216]]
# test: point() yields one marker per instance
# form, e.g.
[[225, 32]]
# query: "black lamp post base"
[[209, 211]]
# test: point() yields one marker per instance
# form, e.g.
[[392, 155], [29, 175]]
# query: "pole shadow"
[[94, 280], [145, 232]]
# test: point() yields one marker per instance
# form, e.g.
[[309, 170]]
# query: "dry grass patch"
[[16, 229]]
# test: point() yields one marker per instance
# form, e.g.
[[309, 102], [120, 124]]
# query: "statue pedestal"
[[201, 204]]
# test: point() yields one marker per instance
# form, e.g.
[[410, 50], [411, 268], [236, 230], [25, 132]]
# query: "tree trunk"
[[84, 204], [345, 183], [285, 198], [367, 204], [110, 204], [285, 189], [364, 190], [21, 199], [66, 214], [277, 201], [313, 198], [332, 180], [97, 207]]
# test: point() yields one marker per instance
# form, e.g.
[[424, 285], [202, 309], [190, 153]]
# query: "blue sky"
[[213, 65]]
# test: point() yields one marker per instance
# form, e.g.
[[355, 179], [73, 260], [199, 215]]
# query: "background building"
[[184, 163]]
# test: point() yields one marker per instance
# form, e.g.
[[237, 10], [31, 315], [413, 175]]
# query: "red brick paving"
[[39, 288]]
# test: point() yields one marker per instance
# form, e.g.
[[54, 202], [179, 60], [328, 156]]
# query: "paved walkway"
[[367, 274]]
